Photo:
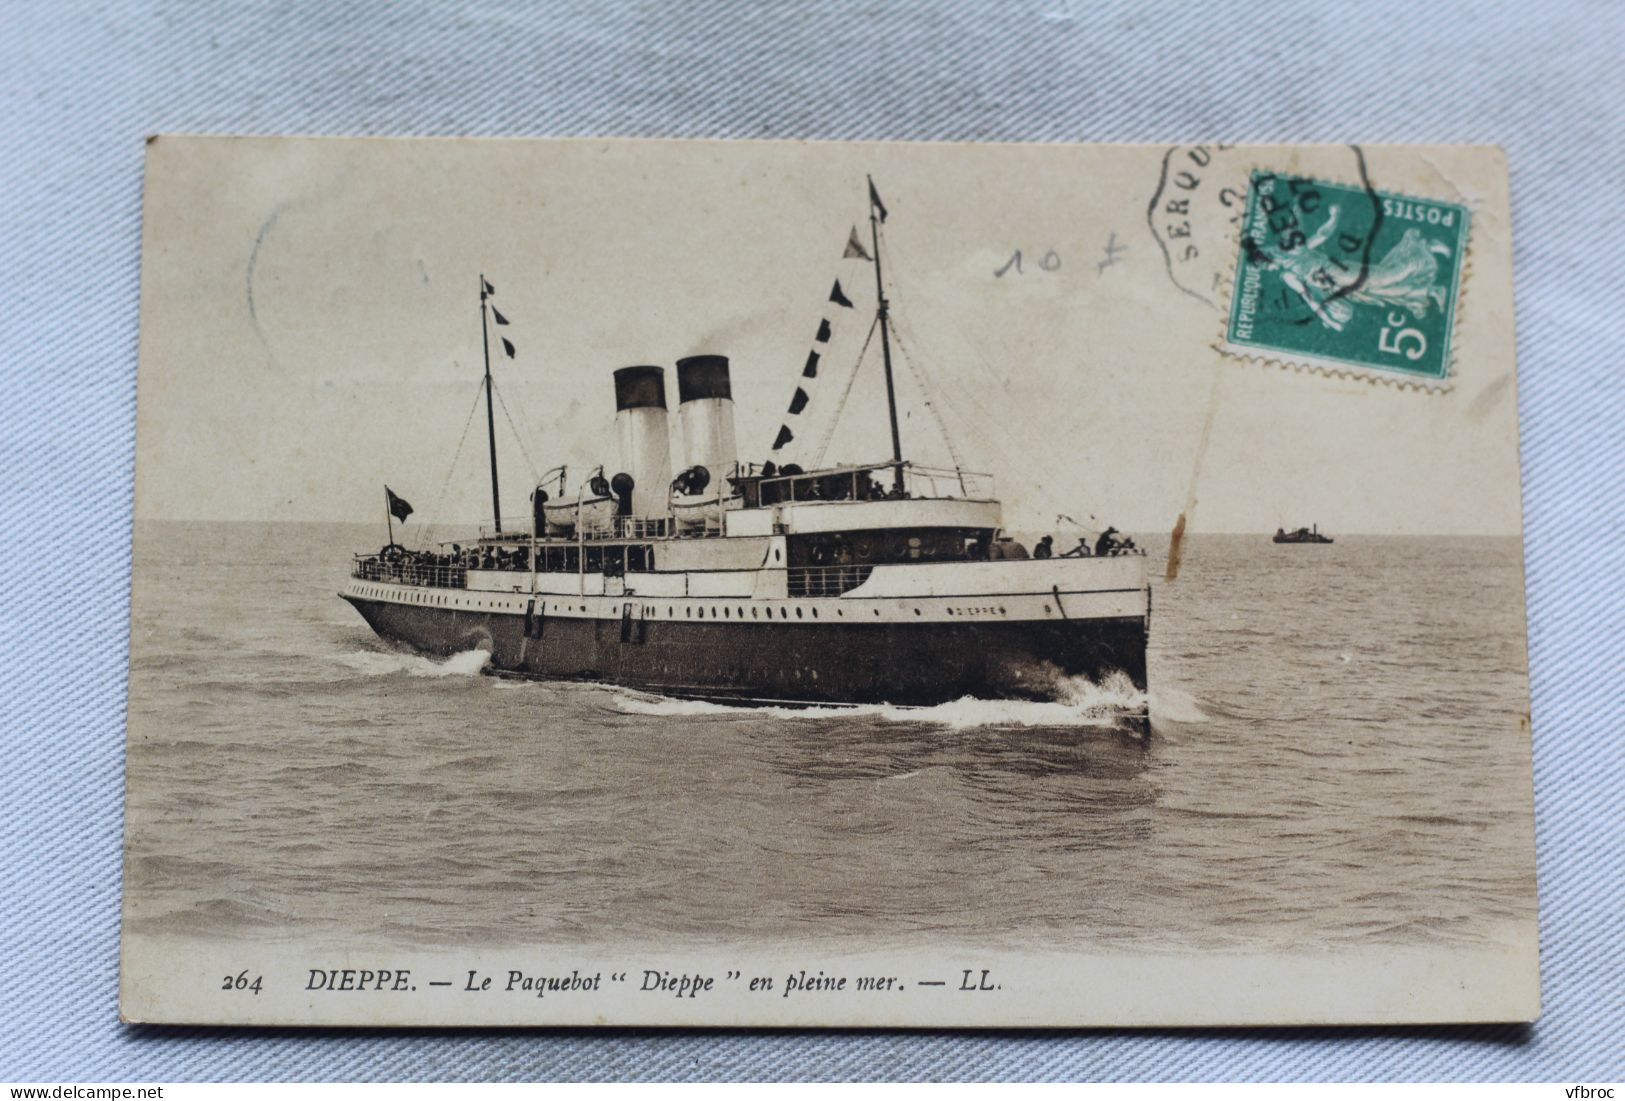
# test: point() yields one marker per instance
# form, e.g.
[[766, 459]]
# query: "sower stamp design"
[[1347, 277]]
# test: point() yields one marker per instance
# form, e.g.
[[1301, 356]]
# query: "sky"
[[311, 328]]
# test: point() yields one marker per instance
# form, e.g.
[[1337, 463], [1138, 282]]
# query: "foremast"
[[877, 214], [490, 412]]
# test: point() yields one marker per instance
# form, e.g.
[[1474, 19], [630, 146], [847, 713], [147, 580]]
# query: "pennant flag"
[[397, 505], [823, 332], [799, 402], [489, 289], [874, 199], [785, 436], [854, 247], [811, 370], [496, 313], [838, 298], [507, 346]]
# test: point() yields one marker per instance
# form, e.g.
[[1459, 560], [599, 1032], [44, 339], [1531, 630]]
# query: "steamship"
[[738, 581]]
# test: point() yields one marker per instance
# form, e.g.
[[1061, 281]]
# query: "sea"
[[1338, 756]]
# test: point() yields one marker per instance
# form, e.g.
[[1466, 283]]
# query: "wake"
[[1080, 703], [376, 663]]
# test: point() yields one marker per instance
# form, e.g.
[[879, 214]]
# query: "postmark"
[[1347, 278], [1195, 216]]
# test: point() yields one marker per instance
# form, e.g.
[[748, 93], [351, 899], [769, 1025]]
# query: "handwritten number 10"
[[1050, 262]]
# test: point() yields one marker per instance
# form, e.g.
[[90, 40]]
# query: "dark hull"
[[906, 664]]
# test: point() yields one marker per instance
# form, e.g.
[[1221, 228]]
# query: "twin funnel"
[[705, 417]]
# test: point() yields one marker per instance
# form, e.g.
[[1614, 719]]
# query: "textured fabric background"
[[82, 82]]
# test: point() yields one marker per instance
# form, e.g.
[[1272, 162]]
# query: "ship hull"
[[897, 663]]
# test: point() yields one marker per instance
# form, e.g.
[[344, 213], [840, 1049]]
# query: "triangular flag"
[[799, 402], [823, 332], [496, 313], [874, 198], [838, 298], [854, 247], [785, 436], [489, 289], [811, 370], [507, 346]]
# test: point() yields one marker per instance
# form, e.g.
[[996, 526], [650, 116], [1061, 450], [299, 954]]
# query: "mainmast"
[[877, 214], [490, 414]]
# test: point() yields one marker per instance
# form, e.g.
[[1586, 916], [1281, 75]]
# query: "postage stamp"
[[1347, 277]]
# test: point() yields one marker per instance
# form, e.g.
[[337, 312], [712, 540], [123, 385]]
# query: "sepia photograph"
[[828, 584]]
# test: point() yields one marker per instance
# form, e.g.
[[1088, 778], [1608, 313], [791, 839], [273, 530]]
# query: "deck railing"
[[373, 568], [872, 481], [825, 580]]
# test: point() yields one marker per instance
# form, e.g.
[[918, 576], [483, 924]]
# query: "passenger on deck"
[[1079, 551], [1106, 544], [1045, 547]]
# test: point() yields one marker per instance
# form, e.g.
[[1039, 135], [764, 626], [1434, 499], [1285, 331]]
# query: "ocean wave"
[[380, 663], [1175, 705]]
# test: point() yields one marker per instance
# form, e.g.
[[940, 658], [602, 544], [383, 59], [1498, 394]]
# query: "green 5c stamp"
[[1347, 277]]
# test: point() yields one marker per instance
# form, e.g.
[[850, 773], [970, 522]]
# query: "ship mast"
[[877, 214], [490, 415]]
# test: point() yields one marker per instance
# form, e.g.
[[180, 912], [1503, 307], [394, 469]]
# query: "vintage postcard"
[[826, 584]]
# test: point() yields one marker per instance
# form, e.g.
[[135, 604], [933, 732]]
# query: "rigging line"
[[998, 437], [434, 512], [840, 406], [523, 450], [524, 422], [1007, 450], [937, 400], [929, 396], [829, 324]]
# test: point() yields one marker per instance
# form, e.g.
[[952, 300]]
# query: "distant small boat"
[[1302, 535]]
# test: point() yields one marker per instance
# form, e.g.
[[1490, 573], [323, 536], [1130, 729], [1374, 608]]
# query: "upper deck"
[[765, 502]]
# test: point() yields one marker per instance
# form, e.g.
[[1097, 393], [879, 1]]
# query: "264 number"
[[1396, 343], [241, 981]]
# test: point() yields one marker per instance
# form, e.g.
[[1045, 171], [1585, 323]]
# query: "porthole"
[[798, 611], [916, 611], [1001, 610], [877, 611], [815, 613], [725, 613], [1046, 610]]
